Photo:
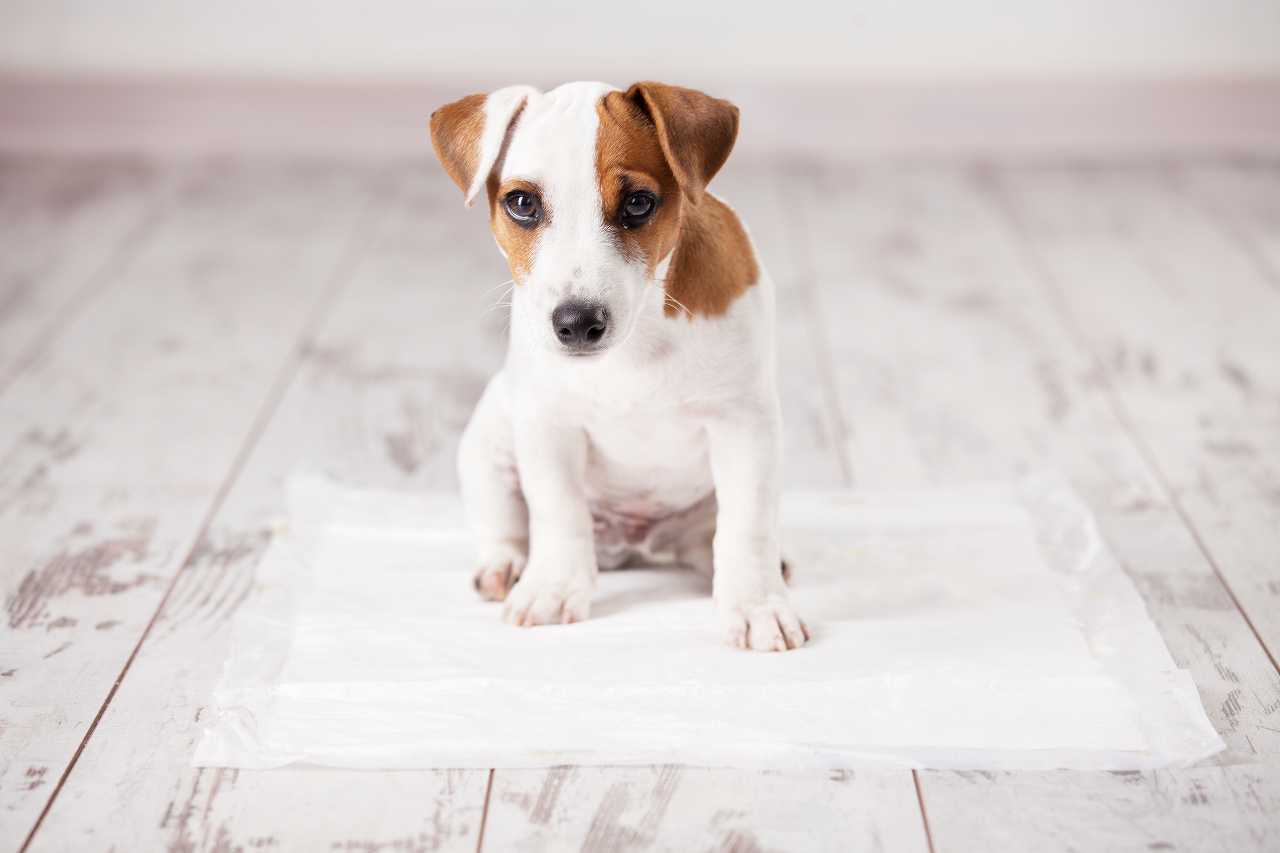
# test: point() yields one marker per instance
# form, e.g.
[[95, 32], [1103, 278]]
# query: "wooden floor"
[[176, 337]]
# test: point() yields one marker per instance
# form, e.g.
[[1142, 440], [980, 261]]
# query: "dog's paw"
[[494, 581], [767, 624], [548, 601], [497, 571]]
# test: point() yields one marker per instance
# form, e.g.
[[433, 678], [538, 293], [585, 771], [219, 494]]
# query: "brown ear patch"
[[713, 264], [455, 135], [629, 158], [695, 130]]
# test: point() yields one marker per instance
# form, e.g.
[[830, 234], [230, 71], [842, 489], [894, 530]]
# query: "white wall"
[[549, 39]]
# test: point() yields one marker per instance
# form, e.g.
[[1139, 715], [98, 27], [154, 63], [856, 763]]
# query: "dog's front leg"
[[755, 609], [560, 575]]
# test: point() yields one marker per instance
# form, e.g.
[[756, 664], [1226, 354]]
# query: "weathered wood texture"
[[1241, 199], [117, 442], [1218, 809], [956, 362], [383, 408], [192, 335], [672, 808], [1185, 323], [66, 226]]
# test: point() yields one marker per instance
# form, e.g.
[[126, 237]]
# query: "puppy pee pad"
[[981, 628]]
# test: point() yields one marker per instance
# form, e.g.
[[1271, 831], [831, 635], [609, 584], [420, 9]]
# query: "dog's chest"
[[643, 475], [659, 460]]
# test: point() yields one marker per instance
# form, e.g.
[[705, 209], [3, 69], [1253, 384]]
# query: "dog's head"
[[588, 189]]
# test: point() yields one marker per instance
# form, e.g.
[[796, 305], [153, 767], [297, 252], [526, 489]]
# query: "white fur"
[[499, 108], [665, 447]]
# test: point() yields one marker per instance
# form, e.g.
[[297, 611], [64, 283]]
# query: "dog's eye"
[[637, 208], [522, 206]]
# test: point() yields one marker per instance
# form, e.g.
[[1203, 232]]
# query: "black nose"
[[579, 325]]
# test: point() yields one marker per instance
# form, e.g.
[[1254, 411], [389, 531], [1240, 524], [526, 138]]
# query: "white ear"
[[469, 135], [500, 110]]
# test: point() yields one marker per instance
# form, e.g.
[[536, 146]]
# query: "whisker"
[[635, 321], [671, 300], [510, 281], [503, 301]]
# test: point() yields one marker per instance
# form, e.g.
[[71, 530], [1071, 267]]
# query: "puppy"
[[636, 418]]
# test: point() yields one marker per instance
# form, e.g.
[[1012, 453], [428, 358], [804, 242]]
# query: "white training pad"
[[981, 628]]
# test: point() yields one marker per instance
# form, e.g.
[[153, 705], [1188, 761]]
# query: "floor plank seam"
[[95, 284], [123, 770], [833, 407], [803, 252], [990, 189], [484, 812], [1225, 224], [1149, 457], [924, 812], [342, 272]]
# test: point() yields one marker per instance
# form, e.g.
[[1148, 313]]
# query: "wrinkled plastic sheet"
[[980, 628]]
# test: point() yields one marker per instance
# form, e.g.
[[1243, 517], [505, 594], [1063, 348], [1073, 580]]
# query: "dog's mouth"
[[593, 352]]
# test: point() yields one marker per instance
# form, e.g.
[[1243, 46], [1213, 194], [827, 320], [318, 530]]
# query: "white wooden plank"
[[677, 809], [1220, 809], [116, 443], [380, 409], [219, 809], [1185, 323], [810, 436], [64, 225], [1242, 200], [371, 406], [953, 366]]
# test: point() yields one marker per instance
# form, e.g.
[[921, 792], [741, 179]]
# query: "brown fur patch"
[[517, 242], [713, 265], [455, 135], [628, 159], [695, 130], [713, 262]]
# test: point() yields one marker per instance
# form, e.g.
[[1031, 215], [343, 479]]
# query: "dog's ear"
[[470, 135], [695, 130]]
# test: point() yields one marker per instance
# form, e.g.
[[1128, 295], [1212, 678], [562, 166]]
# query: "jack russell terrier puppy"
[[636, 418]]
